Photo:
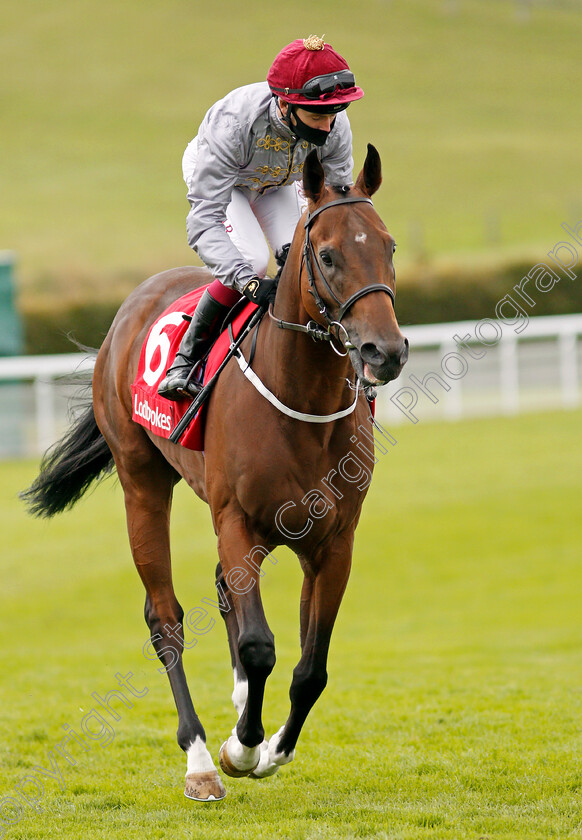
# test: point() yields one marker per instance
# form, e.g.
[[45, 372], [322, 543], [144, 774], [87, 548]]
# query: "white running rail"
[[539, 367]]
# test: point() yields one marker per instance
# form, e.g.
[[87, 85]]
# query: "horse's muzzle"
[[380, 363]]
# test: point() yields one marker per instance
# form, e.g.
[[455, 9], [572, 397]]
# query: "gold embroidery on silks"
[[273, 171], [279, 176], [275, 143], [258, 185]]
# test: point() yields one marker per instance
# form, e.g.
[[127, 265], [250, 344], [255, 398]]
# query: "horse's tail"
[[69, 467]]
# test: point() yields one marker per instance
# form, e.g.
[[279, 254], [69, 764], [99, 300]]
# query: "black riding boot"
[[202, 329]]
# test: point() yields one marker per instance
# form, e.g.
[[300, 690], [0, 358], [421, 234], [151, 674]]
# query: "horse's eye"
[[326, 258], [394, 248]]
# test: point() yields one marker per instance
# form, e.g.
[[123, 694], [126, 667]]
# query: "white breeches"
[[253, 220]]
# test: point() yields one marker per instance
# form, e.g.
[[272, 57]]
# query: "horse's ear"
[[370, 177], [313, 177]]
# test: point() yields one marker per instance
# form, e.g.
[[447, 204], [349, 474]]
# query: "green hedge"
[[52, 329], [426, 293], [429, 294]]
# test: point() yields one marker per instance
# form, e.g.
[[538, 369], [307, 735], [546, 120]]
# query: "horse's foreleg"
[[320, 601], [252, 648], [148, 495]]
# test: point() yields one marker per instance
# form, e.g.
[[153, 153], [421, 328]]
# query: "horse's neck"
[[297, 365]]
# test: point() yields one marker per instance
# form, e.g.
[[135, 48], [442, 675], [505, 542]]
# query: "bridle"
[[309, 259], [314, 329]]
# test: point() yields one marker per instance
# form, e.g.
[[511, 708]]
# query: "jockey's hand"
[[261, 291]]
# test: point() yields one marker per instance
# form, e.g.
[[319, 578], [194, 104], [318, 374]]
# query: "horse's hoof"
[[265, 767], [229, 768], [271, 759], [264, 774], [204, 787]]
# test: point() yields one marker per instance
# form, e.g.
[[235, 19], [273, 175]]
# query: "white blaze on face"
[[361, 237]]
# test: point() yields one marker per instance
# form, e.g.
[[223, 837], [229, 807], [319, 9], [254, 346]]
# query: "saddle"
[[156, 413]]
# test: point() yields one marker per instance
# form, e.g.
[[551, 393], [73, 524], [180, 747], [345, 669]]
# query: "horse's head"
[[349, 272]]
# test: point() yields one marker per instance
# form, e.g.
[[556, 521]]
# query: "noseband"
[[315, 330]]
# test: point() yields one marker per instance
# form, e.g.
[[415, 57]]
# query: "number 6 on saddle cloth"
[[183, 421]]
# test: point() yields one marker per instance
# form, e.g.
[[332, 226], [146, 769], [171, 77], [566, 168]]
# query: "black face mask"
[[317, 136]]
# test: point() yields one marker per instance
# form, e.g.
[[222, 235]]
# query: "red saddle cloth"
[[156, 413]]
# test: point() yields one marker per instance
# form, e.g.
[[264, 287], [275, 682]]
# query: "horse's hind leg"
[[241, 686], [148, 482]]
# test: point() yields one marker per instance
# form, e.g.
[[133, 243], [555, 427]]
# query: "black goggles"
[[322, 86]]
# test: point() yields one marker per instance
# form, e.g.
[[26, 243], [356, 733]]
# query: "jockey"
[[243, 172]]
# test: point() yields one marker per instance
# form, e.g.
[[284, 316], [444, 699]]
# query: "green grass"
[[475, 110], [454, 699]]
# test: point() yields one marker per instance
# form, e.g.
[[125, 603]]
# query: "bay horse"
[[263, 460]]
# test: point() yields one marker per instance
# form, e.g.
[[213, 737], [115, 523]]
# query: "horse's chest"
[[304, 493]]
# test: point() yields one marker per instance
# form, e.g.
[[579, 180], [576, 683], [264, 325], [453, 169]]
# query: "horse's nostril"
[[371, 354], [394, 353]]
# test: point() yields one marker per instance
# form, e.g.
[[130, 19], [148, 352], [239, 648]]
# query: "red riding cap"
[[310, 72]]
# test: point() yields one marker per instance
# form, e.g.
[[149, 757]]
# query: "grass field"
[[455, 692], [473, 105]]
